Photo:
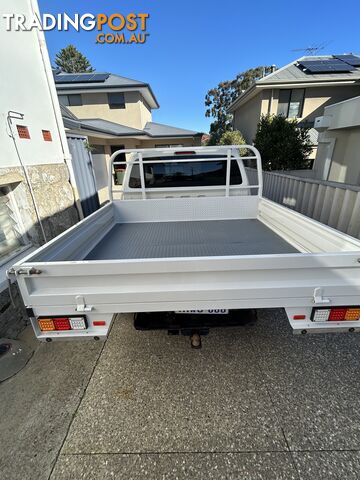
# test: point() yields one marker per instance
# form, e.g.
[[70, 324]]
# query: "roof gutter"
[[78, 125], [73, 124], [189, 135], [324, 83]]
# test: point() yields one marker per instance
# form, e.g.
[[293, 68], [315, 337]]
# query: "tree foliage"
[[283, 145], [218, 100], [70, 60], [233, 137]]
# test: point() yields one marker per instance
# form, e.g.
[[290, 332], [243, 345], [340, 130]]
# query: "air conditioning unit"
[[322, 123]]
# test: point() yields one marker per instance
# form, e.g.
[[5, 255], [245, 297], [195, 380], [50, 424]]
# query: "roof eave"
[[249, 93], [185, 135]]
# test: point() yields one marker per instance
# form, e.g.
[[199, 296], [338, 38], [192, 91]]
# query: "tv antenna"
[[312, 50]]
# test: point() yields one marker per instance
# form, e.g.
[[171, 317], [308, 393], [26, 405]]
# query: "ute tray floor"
[[189, 239]]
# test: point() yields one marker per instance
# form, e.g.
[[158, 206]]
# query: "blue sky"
[[195, 44]]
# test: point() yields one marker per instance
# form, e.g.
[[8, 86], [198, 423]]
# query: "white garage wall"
[[26, 86]]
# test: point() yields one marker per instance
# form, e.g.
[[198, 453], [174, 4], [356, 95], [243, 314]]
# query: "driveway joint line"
[[196, 452], [206, 452]]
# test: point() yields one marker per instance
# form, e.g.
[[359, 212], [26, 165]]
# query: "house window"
[[10, 236], [73, 100], [116, 100], [291, 102]]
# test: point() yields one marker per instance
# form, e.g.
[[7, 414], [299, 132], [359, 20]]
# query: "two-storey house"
[[301, 90], [114, 112]]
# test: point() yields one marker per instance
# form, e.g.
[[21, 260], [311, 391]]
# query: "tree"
[[283, 145], [70, 60], [232, 138], [219, 99]]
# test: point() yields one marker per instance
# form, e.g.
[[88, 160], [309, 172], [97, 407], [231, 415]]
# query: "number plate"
[[215, 311]]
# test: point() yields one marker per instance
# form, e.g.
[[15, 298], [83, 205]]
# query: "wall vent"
[[47, 135], [23, 131]]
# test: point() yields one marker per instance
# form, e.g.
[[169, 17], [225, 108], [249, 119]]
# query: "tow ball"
[[195, 340]]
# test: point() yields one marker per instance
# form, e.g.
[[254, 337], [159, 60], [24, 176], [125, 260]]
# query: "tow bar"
[[192, 325]]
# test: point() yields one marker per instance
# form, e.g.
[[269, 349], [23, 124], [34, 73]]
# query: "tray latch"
[[81, 305], [318, 297]]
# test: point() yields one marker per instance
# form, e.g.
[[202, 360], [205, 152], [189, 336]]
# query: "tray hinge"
[[23, 271]]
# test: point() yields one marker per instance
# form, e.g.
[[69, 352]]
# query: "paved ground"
[[255, 403]]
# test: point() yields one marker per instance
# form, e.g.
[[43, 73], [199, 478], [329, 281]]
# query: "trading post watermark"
[[110, 29]]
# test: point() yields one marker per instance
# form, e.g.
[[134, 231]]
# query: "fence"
[[84, 174], [332, 203]]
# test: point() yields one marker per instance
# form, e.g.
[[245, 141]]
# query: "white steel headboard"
[[229, 149]]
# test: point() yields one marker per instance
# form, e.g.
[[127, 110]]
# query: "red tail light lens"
[[62, 324], [337, 314]]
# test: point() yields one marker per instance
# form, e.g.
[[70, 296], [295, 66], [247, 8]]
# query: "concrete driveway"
[[255, 403]]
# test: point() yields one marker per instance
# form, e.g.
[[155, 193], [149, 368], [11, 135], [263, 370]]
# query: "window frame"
[[68, 103], [116, 105], [289, 101]]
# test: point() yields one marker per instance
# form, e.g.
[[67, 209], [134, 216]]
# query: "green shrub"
[[283, 145], [233, 137]]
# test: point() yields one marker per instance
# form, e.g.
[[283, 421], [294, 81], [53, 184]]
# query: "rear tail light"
[[46, 324], [335, 314], [78, 323], [62, 324], [352, 314]]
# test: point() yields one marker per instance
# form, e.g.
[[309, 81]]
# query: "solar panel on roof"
[[350, 59], [65, 78], [101, 77], [83, 78], [332, 65], [89, 78]]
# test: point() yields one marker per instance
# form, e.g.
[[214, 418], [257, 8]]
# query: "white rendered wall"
[[26, 86]]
